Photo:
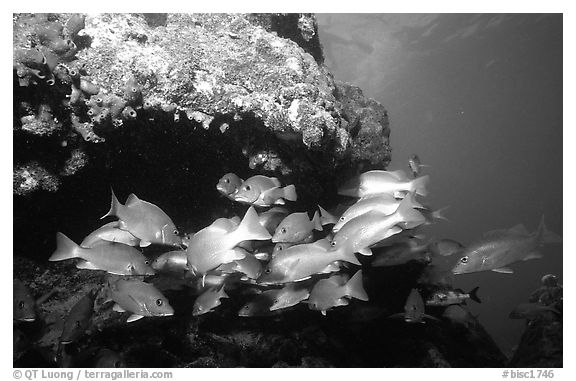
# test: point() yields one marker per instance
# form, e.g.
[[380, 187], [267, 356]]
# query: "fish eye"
[[276, 301], [247, 187], [146, 263], [226, 181], [159, 302], [280, 248], [342, 218], [464, 259], [268, 270], [77, 323], [176, 232], [283, 230], [21, 305], [333, 243], [246, 307]]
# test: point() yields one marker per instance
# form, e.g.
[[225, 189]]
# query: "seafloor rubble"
[[162, 106]]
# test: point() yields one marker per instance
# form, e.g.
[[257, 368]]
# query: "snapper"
[[377, 182], [261, 190], [500, 248], [145, 221], [140, 298], [115, 258], [336, 291], [212, 246]]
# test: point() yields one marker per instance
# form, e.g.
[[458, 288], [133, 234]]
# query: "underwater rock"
[[258, 79], [541, 344]]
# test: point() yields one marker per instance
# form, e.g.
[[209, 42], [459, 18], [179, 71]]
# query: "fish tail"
[[317, 222], [406, 213], [348, 256], [419, 185], [250, 228], [114, 207], [65, 248], [437, 214], [474, 295], [325, 217], [354, 287], [412, 198], [290, 193], [546, 236]]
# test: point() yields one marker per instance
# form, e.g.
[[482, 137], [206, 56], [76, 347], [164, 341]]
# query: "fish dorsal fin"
[[134, 317], [495, 233], [504, 270], [519, 229], [276, 182], [131, 200], [399, 174]]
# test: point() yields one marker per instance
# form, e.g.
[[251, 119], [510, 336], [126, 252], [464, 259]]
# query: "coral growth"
[[32, 176]]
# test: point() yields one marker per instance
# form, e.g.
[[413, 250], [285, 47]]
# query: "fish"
[[371, 228], [415, 165], [448, 297], [531, 311], [500, 248], [261, 190], [114, 258], [300, 262], [208, 300], [434, 215], [140, 298], [212, 246], [78, 319], [271, 218], [145, 221], [260, 304], [174, 261], [335, 291], [445, 247], [229, 184], [112, 233], [249, 265], [24, 303], [384, 182], [385, 204], [296, 227], [401, 253], [289, 296], [414, 309]]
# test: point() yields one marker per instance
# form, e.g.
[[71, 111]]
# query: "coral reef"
[[261, 74]]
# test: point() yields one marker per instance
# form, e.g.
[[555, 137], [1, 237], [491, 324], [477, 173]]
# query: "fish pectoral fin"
[[117, 308], [504, 270], [85, 265], [430, 317], [134, 317], [365, 251], [532, 255], [145, 243]]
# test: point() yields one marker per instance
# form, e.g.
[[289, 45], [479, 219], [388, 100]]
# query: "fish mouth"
[[28, 320]]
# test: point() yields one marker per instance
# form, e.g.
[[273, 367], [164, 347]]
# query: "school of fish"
[[285, 257]]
